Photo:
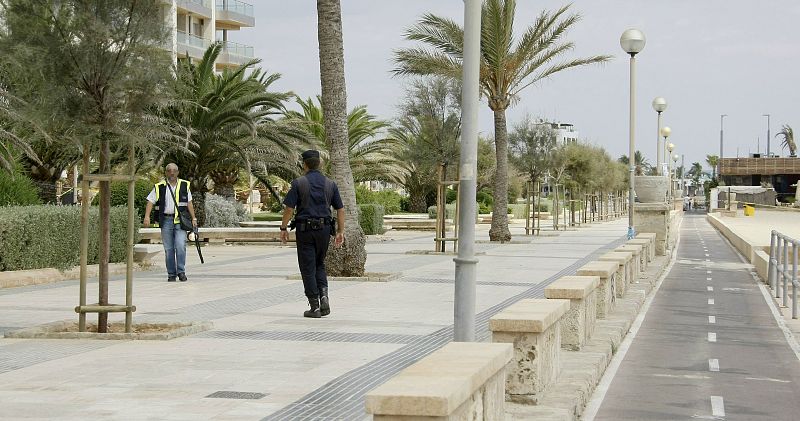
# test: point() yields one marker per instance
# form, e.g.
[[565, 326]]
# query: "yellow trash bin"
[[749, 209]]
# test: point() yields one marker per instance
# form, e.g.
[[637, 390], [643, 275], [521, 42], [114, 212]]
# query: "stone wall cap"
[[651, 207], [603, 269], [635, 248], [572, 287], [617, 256], [531, 315], [438, 384], [650, 235], [641, 241]]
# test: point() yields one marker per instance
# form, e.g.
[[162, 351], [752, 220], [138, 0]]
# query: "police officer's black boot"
[[314, 312], [324, 303]]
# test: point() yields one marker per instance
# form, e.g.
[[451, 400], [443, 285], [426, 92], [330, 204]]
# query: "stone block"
[[624, 270], [649, 236], [460, 381], [578, 324], [654, 218], [606, 290], [637, 257], [649, 252], [533, 327]]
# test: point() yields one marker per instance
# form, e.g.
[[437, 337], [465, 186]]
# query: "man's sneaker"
[[182, 277], [171, 279]]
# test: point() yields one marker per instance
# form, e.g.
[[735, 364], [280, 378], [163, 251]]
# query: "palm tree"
[[712, 161], [788, 139], [642, 166], [696, 171], [507, 68], [233, 123], [371, 157], [348, 260]]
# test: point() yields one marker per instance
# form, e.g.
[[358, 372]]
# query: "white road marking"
[[767, 379], [683, 376], [710, 288], [708, 260], [708, 279], [712, 337], [708, 271], [711, 301], [712, 319], [717, 406], [713, 364], [707, 255]]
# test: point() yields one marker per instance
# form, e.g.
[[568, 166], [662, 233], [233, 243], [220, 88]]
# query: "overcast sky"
[[706, 57]]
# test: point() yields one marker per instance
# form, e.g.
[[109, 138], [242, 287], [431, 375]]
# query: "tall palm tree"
[[233, 122], [696, 171], [507, 67], [372, 157], [713, 161], [348, 260], [788, 139]]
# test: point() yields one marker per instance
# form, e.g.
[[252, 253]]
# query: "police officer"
[[313, 195], [163, 197]]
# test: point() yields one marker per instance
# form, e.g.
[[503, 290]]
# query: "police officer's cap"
[[311, 153]]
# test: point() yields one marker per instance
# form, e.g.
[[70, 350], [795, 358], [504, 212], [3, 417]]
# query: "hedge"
[[222, 212], [119, 195], [370, 217], [44, 236]]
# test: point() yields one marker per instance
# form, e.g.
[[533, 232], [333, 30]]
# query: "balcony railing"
[[236, 6], [192, 40], [238, 51], [197, 2]]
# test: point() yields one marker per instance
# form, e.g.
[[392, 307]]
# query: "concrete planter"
[[651, 188]]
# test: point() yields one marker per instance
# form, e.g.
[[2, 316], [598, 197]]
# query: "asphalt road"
[[709, 346]]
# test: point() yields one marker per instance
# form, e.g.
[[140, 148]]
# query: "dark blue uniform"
[[314, 229]]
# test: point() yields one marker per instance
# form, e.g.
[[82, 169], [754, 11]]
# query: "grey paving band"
[[311, 336], [343, 397], [226, 394], [24, 354]]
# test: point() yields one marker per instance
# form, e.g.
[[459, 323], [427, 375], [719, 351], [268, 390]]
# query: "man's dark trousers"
[[311, 249]]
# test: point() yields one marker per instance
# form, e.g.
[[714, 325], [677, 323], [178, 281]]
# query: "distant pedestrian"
[[164, 196], [312, 195]]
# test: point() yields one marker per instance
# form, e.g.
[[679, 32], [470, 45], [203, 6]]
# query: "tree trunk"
[[499, 230], [348, 260], [105, 231], [47, 190]]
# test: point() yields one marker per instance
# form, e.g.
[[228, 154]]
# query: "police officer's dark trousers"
[[312, 246]]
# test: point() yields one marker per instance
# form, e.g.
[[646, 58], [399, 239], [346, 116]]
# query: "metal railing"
[[192, 40], [782, 270], [239, 50], [236, 6]]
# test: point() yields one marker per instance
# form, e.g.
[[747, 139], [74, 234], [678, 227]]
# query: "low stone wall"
[[654, 218], [646, 244], [624, 274], [578, 325], [638, 265], [533, 326], [460, 381]]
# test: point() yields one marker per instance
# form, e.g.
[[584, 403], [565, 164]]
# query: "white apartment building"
[[565, 132], [195, 24]]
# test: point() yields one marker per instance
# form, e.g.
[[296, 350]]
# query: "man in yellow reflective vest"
[[164, 196]]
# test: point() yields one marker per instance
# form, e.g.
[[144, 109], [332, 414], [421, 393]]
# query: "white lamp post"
[[660, 105], [632, 42], [666, 132]]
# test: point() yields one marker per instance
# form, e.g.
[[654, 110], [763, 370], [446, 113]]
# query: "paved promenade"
[[709, 347], [263, 360]]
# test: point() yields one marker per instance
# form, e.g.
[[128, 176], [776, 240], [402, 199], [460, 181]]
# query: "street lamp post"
[[768, 139], [670, 148], [721, 137], [466, 263], [666, 132], [660, 105], [675, 166], [632, 42]]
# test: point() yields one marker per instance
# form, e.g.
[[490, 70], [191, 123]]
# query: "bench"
[[606, 290], [624, 269], [533, 327], [461, 380], [578, 324], [144, 253], [222, 235]]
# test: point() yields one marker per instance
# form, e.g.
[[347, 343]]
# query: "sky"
[[705, 57]]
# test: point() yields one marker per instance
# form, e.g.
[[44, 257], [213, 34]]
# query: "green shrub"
[[389, 199], [452, 195], [222, 212], [119, 195], [370, 217], [19, 190], [405, 204], [484, 207], [35, 237]]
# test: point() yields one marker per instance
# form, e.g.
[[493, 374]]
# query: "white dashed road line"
[[711, 301], [712, 337], [712, 319], [713, 364], [717, 406]]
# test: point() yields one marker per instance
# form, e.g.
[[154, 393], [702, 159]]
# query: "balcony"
[[195, 7], [191, 45], [234, 54], [234, 14]]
